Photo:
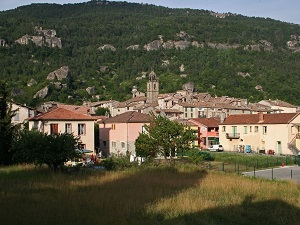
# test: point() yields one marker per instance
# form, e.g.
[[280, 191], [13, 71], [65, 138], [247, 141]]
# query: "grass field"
[[183, 194]]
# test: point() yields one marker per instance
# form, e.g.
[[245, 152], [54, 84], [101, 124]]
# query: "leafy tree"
[[39, 148], [164, 137], [7, 129], [145, 146], [102, 111]]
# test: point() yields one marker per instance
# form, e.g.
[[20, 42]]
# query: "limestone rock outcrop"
[[42, 93], [2, 42], [133, 47], [31, 82], [154, 45], [107, 47], [59, 74], [43, 38], [90, 90]]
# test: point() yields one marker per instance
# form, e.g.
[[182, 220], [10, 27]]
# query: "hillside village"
[[269, 126]]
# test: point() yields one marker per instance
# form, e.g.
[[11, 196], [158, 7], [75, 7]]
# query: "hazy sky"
[[284, 10]]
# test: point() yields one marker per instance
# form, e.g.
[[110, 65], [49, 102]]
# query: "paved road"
[[279, 173]]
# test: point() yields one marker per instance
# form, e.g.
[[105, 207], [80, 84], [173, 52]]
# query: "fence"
[[278, 172], [283, 173]]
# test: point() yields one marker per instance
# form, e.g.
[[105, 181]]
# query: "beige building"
[[23, 113], [278, 133], [278, 105], [59, 120]]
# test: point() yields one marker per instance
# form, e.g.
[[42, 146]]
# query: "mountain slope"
[[213, 57]]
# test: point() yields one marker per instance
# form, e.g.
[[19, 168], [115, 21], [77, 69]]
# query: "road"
[[279, 173]]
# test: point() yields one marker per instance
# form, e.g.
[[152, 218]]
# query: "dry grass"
[[163, 195]]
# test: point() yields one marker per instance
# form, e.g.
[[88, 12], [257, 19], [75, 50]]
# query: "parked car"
[[216, 148]]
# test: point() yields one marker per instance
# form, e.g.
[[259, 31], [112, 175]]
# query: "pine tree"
[[6, 127]]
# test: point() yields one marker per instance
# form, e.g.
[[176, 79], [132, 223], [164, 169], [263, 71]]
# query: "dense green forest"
[[85, 27]]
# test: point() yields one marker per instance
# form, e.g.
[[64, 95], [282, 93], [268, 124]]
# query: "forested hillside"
[[103, 44]]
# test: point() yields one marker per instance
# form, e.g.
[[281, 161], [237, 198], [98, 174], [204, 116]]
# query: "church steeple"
[[152, 88]]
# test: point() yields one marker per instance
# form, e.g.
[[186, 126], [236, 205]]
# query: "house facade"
[[23, 113], [208, 131], [280, 105], [59, 120], [118, 134], [278, 133]]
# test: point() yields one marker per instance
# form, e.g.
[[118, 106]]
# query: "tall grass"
[[157, 195], [251, 160]]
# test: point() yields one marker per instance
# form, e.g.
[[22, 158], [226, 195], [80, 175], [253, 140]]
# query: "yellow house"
[[270, 133], [61, 120]]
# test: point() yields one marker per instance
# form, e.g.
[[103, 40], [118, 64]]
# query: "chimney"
[[260, 117]]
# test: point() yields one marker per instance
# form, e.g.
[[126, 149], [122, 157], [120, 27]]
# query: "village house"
[[262, 133], [208, 131], [103, 104], [279, 105], [193, 127], [187, 104], [117, 134], [22, 113], [80, 109], [60, 120], [129, 105]]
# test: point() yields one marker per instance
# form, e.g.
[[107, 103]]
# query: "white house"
[[59, 120]]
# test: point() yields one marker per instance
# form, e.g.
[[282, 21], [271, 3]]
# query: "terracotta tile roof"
[[129, 117], [279, 103], [75, 108], [171, 111], [185, 122], [95, 104], [137, 99], [61, 114], [208, 122], [276, 118]]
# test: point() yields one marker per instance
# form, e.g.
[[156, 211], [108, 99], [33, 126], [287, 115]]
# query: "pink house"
[[208, 131], [118, 134]]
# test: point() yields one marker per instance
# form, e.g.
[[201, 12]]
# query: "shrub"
[[197, 156], [117, 162]]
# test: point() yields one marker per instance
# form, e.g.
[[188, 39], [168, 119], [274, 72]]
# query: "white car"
[[216, 148]]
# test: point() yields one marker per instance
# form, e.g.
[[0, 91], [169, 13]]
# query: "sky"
[[283, 10]]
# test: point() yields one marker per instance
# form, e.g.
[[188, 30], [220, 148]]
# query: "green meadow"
[[180, 194]]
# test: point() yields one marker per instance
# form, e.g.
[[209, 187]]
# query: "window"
[[256, 129], [264, 129], [113, 126], [68, 128], [81, 146], [192, 115], [17, 117], [224, 128], [113, 144], [123, 145], [104, 143], [250, 129], [54, 128], [234, 129], [81, 129], [144, 130], [245, 129]]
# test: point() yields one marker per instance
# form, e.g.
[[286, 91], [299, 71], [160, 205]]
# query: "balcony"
[[232, 135]]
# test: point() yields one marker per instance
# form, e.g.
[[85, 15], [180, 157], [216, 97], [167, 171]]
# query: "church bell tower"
[[152, 88]]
